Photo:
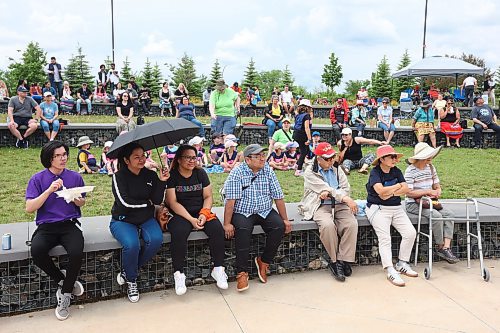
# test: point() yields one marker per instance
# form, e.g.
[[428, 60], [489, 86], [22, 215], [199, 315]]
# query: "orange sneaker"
[[262, 269], [242, 281]]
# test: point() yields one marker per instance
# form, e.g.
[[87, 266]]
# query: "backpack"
[[299, 121]]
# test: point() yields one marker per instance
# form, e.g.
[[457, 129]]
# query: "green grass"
[[463, 173]]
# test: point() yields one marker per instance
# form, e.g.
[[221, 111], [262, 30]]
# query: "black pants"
[[68, 235], [206, 111], [180, 228], [478, 134], [273, 227], [146, 106], [469, 95], [336, 131], [301, 138]]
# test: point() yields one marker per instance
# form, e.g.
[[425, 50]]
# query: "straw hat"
[[384, 151], [423, 151]]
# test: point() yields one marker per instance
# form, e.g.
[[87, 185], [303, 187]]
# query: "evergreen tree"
[[157, 77], [147, 78], [381, 85], [497, 84], [288, 78], [185, 72], [31, 67], [216, 74], [126, 72], [107, 63], [402, 84], [332, 73], [251, 76], [78, 71]]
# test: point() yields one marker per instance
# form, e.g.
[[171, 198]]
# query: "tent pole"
[[425, 29]]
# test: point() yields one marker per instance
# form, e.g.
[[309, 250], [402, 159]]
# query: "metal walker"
[[485, 274]]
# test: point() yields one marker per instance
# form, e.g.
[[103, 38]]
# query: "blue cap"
[[316, 133]]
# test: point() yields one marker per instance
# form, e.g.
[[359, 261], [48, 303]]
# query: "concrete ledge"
[[98, 236]]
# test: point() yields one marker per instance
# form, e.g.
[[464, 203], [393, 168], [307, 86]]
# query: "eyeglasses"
[[189, 158], [261, 155], [450, 104], [60, 156], [125, 96]]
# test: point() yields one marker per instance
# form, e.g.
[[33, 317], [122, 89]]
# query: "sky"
[[300, 34]]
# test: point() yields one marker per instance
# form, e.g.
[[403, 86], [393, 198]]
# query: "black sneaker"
[[25, 144], [447, 255], [347, 269], [19, 143], [337, 269]]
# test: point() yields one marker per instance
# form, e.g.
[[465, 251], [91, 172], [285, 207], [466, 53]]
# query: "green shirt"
[[224, 103], [280, 136]]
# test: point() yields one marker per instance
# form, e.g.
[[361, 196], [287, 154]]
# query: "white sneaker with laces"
[[394, 277], [404, 268], [180, 283], [63, 303], [132, 292], [120, 278], [220, 276]]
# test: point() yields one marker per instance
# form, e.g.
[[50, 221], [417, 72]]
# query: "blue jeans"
[[128, 235], [46, 126], [79, 102], [271, 127], [197, 123], [225, 124], [361, 128], [383, 126]]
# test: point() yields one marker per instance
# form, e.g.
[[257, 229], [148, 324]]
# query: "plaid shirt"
[[258, 197]]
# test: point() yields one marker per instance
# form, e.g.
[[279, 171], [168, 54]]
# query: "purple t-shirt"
[[54, 209]]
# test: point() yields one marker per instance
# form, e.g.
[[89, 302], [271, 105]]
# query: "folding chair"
[[405, 106]]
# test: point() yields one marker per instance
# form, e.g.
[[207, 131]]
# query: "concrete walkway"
[[455, 299]]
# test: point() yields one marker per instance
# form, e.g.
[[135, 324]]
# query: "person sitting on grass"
[[168, 154], [57, 223], [230, 158], [277, 159], [216, 149], [383, 209], [197, 143], [48, 116], [108, 165], [423, 123], [85, 160], [351, 155], [422, 180], [291, 155], [150, 163]]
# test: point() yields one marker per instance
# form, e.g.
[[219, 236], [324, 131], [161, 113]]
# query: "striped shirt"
[[420, 179], [254, 193]]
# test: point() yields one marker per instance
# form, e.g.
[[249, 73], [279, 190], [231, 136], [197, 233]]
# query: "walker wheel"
[[486, 275], [427, 272]]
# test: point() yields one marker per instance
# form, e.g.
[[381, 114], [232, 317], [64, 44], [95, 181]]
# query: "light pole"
[[112, 33], [425, 29]]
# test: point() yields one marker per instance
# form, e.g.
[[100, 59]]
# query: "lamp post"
[[112, 33], [425, 29]]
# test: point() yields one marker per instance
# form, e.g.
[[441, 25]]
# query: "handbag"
[[463, 123], [163, 216]]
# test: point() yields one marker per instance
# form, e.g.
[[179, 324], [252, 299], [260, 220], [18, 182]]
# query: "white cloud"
[[157, 46]]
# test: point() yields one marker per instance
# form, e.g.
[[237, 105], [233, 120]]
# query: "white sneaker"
[[77, 286], [63, 303], [132, 292], [394, 277], [220, 276], [404, 268], [121, 279], [180, 283]]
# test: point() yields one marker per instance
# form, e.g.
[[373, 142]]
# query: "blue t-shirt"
[[49, 110], [393, 177]]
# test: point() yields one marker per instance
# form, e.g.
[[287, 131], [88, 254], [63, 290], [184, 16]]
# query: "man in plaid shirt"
[[250, 190]]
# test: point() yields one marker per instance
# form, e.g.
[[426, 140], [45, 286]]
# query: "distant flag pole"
[[112, 33], [425, 29]]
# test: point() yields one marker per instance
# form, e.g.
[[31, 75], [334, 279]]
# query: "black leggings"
[[272, 225], [68, 235], [301, 138], [180, 228]]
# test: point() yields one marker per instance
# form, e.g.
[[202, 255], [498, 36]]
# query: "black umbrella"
[[156, 134]]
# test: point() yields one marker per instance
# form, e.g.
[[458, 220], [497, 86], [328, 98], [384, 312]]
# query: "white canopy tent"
[[438, 66]]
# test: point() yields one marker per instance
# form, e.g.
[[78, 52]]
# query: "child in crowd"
[[168, 154], [201, 158], [291, 155], [277, 159], [150, 163], [230, 159], [316, 138], [216, 149], [85, 160], [108, 165]]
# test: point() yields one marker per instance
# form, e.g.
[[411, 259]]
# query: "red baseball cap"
[[324, 149]]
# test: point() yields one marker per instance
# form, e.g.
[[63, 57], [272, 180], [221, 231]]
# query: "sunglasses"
[[393, 156], [328, 159]]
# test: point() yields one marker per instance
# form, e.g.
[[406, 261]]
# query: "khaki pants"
[[121, 125], [336, 223], [440, 229], [381, 218]]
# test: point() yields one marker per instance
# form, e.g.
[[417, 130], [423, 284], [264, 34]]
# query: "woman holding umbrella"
[[136, 190]]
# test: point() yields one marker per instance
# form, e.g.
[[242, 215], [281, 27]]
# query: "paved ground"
[[455, 299]]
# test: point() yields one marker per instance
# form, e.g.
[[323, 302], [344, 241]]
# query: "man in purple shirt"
[[57, 222]]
